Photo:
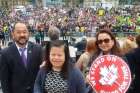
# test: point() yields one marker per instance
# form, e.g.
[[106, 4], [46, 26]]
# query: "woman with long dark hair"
[[59, 75], [106, 44]]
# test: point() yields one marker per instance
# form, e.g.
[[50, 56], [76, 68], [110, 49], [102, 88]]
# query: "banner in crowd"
[[110, 74], [101, 12]]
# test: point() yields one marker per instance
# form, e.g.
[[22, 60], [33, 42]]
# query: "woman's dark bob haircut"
[[58, 43]]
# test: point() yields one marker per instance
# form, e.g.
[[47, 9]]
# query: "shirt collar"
[[20, 47]]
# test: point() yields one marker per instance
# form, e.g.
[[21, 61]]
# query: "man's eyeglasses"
[[104, 40]]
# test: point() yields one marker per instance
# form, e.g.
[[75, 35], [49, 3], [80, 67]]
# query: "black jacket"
[[133, 59], [15, 77]]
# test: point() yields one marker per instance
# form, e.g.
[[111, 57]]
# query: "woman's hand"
[[87, 79]]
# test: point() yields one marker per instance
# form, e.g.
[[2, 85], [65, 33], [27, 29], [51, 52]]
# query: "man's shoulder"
[[133, 52], [137, 50], [6, 49]]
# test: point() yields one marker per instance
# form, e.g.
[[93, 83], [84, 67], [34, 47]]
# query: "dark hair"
[[138, 40], [115, 49], [58, 43], [17, 23]]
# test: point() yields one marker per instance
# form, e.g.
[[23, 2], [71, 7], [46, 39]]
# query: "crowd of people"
[[70, 21], [21, 61], [48, 67]]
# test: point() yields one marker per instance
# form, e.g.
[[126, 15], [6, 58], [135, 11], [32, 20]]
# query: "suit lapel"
[[16, 56], [29, 54]]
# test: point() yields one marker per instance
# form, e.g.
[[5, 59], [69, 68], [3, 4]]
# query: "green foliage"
[[29, 0], [81, 1]]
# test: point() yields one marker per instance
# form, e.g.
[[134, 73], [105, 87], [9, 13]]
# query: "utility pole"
[[73, 3], [12, 5]]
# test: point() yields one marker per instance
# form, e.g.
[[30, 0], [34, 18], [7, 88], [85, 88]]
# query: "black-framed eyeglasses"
[[104, 40]]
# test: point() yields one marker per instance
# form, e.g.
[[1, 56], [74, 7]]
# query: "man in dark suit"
[[133, 58], [18, 68]]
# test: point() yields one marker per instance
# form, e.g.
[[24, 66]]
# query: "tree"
[[30, 0], [123, 2], [136, 2], [78, 2], [81, 1], [66, 2]]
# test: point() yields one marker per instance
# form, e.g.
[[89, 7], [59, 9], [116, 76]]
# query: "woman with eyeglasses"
[[59, 75], [106, 44]]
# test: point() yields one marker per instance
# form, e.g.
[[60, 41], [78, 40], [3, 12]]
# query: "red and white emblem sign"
[[109, 74]]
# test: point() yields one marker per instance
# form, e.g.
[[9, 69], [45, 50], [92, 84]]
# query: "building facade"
[[52, 3], [11, 3], [100, 3]]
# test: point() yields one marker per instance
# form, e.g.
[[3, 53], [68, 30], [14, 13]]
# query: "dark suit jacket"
[[15, 77], [133, 59]]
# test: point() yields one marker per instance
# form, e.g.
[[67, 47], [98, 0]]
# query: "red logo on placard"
[[110, 74]]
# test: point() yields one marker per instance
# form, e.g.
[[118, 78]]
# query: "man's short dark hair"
[[13, 28]]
